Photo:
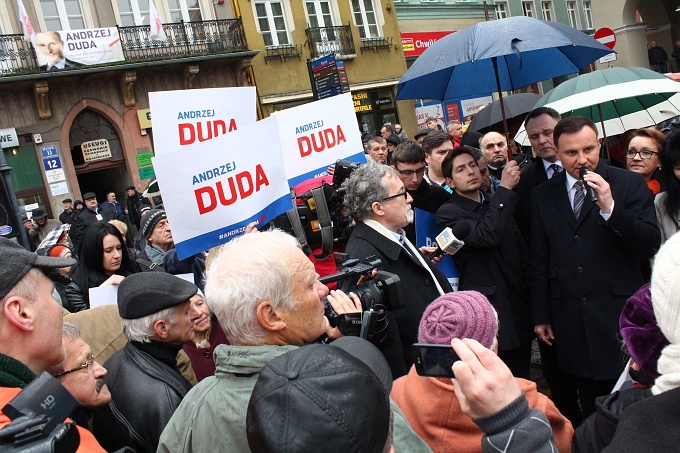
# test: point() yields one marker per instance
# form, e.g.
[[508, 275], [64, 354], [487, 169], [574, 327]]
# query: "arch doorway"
[[98, 156]]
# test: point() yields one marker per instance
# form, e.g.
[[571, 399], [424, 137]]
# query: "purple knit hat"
[[460, 314], [640, 331]]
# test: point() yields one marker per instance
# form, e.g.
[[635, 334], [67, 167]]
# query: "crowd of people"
[[232, 350]]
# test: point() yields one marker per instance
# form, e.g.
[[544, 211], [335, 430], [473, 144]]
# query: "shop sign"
[[96, 150], [144, 159], [414, 44], [9, 138], [146, 173], [383, 101], [361, 102]]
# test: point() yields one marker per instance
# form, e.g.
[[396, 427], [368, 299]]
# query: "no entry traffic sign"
[[606, 36]]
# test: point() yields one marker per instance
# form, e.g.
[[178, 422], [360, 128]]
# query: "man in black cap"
[[91, 214], [345, 408], [420, 135], [146, 386], [133, 205], [30, 323], [69, 215], [41, 226]]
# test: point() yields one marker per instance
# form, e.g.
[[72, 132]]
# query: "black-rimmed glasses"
[[644, 154], [400, 194], [83, 366]]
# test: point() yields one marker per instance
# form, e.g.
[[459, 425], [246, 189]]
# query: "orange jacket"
[[88, 444], [432, 409]]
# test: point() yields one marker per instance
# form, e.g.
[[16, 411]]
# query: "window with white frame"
[[547, 10], [184, 10], [366, 19], [319, 13], [133, 12], [588, 14], [528, 8], [62, 14], [572, 12], [271, 21], [502, 10]]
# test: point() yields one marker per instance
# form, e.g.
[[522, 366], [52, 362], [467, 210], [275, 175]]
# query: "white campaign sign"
[[212, 190], [186, 117], [315, 135]]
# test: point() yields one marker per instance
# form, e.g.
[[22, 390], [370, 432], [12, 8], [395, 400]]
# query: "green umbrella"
[[616, 99]]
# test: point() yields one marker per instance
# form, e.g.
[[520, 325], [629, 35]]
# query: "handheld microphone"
[[589, 190], [448, 240]]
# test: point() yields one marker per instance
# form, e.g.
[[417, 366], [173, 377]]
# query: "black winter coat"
[[418, 292], [145, 392]]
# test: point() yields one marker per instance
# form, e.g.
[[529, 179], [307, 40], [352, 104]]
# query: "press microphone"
[[590, 191], [448, 240]]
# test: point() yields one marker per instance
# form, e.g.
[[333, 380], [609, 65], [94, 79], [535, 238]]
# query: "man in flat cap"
[[159, 248], [345, 408], [146, 386], [69, 214], [30, 324], [91, 214]]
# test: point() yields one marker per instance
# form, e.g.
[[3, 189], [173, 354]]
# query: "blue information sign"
[[51, 160], [49, 151]]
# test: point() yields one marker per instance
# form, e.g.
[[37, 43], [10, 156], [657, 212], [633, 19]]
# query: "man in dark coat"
[[377, 199], [111, 204], [409, 161], [658, 59], [133, 205], [69, 214], [585, 258], [494, 260], [146, 386], [91, 214]]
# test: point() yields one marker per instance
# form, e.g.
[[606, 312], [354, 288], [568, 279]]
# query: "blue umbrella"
[[498, 55]]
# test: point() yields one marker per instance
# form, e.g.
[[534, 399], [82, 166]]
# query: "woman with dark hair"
[[643, 155], [667, 203], [103, 260]]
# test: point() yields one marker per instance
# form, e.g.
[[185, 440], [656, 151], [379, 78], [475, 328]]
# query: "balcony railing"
[[184, 39], [331, 40], [376, 44]]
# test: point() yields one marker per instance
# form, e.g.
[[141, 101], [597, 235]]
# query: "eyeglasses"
[[419, 171], [83, 366], [644, 154], [400, 194]]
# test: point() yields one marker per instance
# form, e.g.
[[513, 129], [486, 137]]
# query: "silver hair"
[[364, 187], [141, 329], [247, 271], [70, 332], [451, 124]]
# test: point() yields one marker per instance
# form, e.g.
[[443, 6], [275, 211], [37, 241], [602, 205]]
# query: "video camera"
[[377, 295], [320, 220], [38, 413]]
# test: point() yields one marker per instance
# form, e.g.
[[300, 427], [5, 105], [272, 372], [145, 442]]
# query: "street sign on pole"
[[606, 36]]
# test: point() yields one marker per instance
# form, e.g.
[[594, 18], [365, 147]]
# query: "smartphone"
[[434, 360]]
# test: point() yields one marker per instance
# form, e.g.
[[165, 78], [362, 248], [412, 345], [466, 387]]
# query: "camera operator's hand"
[[331, 170], [341, 303], [364, 278]]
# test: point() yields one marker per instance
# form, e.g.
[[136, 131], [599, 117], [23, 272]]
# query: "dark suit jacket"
[[494, 260], [532, 175], [585, 270], [418, 292]]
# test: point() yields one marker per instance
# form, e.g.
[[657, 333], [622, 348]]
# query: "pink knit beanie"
[[460, 314]]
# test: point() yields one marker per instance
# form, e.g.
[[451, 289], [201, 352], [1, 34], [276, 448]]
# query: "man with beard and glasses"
[[381, 206]]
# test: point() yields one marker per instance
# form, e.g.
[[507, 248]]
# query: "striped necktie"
[[579, 198]]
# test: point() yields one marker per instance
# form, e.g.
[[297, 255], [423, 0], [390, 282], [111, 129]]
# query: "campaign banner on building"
[[472, 106], [315, 135], [427, 110], [72, 48], [183, 118], [426, 235], [212, 190]]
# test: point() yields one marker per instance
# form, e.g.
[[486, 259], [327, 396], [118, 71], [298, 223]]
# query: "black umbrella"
[[490, 117]]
